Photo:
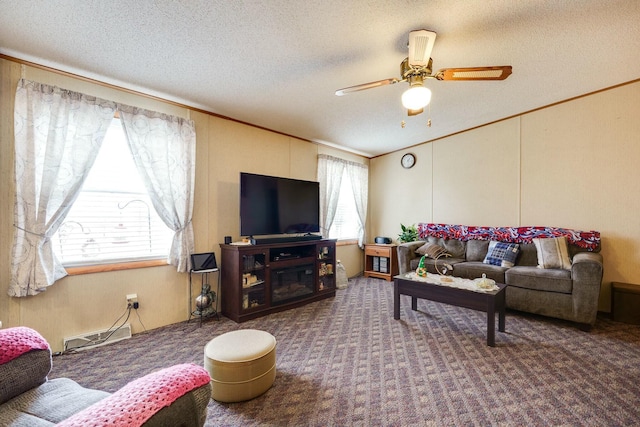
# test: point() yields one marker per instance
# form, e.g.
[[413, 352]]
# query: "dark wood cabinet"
[[262, 279]]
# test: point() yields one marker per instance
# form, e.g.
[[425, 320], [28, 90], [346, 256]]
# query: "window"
[[345, 223], [344, 187], [113, 219]]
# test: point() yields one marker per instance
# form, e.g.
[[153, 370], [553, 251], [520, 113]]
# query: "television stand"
[[261, 279]]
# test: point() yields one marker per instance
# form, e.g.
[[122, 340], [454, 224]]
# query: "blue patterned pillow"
[[502, 254]]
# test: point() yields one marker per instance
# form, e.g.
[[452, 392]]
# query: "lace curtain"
[[359, 176], [164, 151], [58, 134], [330, 174], [330, 178]]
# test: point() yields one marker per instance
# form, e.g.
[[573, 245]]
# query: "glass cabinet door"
[[253, 281], [326, 267]]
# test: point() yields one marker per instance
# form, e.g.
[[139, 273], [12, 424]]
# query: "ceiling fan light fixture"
[[416, 97]]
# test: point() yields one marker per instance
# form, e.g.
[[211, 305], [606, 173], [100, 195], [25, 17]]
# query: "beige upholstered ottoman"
[[242, 364]]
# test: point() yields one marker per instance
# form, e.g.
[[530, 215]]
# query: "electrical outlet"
[[132, 299]]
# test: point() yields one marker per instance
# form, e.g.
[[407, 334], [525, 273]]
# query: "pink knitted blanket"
[[14, 342], [136, 402]]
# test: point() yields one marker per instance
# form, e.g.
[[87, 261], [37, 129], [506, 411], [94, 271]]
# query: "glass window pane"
[[345, 224], [113, 219]]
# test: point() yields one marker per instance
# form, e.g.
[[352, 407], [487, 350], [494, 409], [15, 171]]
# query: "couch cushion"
[[432, 250], [474, 270], [477, 250], [48, 404], [550, 280], [553, 253], [502, 254], [528, 255], [24, 373]]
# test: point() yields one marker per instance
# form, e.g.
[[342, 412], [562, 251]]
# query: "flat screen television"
[[273, 205]]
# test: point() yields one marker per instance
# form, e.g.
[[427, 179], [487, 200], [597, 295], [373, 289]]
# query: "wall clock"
[[408, 160]]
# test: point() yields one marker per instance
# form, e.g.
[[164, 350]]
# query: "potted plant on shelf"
[[409, 233]]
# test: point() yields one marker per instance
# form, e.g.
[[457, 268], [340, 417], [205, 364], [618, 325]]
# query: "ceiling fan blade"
[[364, 86], [420, 47], [474, 73]]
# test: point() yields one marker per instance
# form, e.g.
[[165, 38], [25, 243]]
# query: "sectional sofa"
[[555, 272]]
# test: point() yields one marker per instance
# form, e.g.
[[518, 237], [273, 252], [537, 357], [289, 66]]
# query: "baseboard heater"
[[98, 338]]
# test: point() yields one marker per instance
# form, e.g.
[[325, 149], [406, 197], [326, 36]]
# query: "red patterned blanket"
[[589, 240]]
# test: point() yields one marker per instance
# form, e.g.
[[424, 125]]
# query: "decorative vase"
[[205, 299]]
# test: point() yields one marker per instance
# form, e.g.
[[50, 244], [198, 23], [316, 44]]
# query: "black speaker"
[[384, 240], [227, 240]]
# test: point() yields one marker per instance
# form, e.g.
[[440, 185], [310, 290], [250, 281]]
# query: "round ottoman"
[[242, 364]]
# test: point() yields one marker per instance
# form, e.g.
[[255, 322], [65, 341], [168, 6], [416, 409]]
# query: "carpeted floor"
[[346, 361]]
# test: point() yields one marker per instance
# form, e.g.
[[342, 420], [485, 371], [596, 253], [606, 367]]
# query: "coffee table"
[[490, 301]]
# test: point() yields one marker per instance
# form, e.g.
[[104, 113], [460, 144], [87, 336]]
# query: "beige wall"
[[571, 165], [85, 303]]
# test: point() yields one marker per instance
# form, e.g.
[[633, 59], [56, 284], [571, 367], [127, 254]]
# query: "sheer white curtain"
[[164, 151], [330, 171], [58, 134], [330, 174], [359, 176]]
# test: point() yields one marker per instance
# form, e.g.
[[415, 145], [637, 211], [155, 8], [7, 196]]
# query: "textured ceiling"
[[277, 63]]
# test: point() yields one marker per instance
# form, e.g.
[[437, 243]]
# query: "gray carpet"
[[346, 361]]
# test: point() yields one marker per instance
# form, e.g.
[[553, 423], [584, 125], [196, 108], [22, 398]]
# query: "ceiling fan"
[[417, 67]]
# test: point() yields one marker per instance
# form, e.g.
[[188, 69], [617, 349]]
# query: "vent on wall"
[[98, 338]]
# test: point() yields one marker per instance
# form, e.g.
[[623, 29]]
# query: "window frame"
[[95, 266]]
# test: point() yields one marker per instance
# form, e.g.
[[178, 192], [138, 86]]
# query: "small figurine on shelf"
[[323, 269]]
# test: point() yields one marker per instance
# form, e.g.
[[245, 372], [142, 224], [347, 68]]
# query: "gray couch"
[[28, 398], [570, 294]]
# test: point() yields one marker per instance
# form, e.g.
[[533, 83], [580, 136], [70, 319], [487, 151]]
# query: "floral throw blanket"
[[589, 240]]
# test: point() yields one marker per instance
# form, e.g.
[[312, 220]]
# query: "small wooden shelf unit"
[[266, 278], [381, 261]]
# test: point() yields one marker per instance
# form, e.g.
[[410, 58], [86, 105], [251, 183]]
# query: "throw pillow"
[[553, 253], [432, 250], [502, 254]]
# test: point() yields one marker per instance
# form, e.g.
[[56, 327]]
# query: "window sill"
[[347, 242], [99, 268]]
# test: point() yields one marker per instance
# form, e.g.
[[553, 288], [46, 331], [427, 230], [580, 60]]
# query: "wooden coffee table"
[[488, 301]]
